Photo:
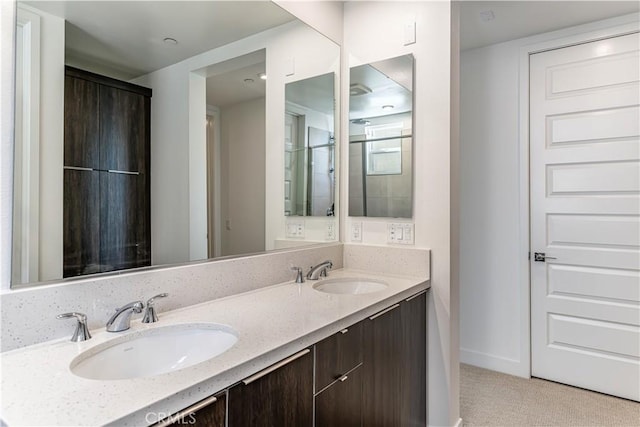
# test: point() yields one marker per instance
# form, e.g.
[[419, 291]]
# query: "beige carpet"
[[489, 398]]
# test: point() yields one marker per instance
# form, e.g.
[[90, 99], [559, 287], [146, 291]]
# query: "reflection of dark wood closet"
[[106, 174]]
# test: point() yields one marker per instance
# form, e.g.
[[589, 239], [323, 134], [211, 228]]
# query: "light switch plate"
[[295, 228], [409, 33], [400, 233]]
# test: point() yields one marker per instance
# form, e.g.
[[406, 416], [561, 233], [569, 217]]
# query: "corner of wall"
[[7, 37]]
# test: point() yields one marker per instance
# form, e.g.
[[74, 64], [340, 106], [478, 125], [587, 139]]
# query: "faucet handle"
[[82, 332], [150, 315], [299, 276]]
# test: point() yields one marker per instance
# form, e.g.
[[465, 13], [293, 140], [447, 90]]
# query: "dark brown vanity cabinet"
[[340, 404], [210, 412], [281, 395], [107, 222], [395, 365], [338, 372], [371, 374]]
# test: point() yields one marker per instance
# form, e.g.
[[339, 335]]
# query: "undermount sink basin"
[[154, 351], [351, 286]]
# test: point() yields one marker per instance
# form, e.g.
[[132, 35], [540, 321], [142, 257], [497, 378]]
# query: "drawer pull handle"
[[123, 172], [185, 412], [77, 168], [278, 365], [344, 331], [416, 295], [343, 378], [393, 307]]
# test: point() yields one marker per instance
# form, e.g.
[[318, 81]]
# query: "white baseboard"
[[495, 363], [459, 423]]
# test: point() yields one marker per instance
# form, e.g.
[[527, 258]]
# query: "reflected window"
[[384, 149]]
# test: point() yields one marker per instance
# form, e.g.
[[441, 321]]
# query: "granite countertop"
[[272, 323]]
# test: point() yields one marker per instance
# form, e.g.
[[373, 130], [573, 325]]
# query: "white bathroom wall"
[[242, 173], [375, 31], [45, 142], [324, 16], [494, 270]]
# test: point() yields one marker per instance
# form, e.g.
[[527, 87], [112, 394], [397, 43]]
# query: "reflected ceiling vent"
[[357, 89], [361, 122]]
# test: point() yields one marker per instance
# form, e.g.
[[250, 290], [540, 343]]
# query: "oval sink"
[[350, 286], [154, 351]]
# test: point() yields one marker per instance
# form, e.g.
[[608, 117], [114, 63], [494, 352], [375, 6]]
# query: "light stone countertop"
[[272, 323]]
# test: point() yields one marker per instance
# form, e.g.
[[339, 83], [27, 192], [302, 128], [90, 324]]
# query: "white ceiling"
[[390, 82], [126, 37], [315, 93], [226, 83], [516, 19]]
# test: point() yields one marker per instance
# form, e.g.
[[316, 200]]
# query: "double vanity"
[[327, 343]]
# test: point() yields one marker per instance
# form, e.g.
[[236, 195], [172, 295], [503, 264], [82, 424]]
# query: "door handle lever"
[[541, 257]]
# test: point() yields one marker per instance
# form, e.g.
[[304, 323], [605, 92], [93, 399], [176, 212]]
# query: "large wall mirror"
[[216, 79], [381, 139]]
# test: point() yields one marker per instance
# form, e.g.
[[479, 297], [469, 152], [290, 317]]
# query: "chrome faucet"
[[150, 315], [299, 277], [121, 320], [319, 270], [82, 332]]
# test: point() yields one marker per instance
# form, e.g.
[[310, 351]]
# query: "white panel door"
[[585, 203]]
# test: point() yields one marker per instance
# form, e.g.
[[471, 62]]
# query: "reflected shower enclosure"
[[309, 156], [380, 139]]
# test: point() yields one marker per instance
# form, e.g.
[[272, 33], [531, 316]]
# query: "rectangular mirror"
[[212, 77], [381, 138], [309, 147]]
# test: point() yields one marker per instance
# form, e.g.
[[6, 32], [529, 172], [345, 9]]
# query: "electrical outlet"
[[356, 232], [331, 231]]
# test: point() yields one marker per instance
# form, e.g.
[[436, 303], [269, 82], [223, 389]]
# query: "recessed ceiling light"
[[263, 76], [487, 15], [387, 107], [170, 40], [249, 80]]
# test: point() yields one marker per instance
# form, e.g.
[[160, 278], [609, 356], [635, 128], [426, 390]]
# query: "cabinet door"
[[213, 415], [414, 361], [202, 414], [341, 404], [337, 355], [81, 222], [124, 134], [383, 369], [282, 397], [81, 123], [124, 219]]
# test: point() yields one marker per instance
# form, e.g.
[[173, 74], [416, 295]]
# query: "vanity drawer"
[[338, 354]]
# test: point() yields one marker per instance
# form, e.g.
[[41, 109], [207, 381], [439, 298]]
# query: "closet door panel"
[[123, 130], [81, 222], [124, 216], [81, 123]]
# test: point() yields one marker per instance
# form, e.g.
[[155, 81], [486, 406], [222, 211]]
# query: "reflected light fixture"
[[487, 15], [262, 76]]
